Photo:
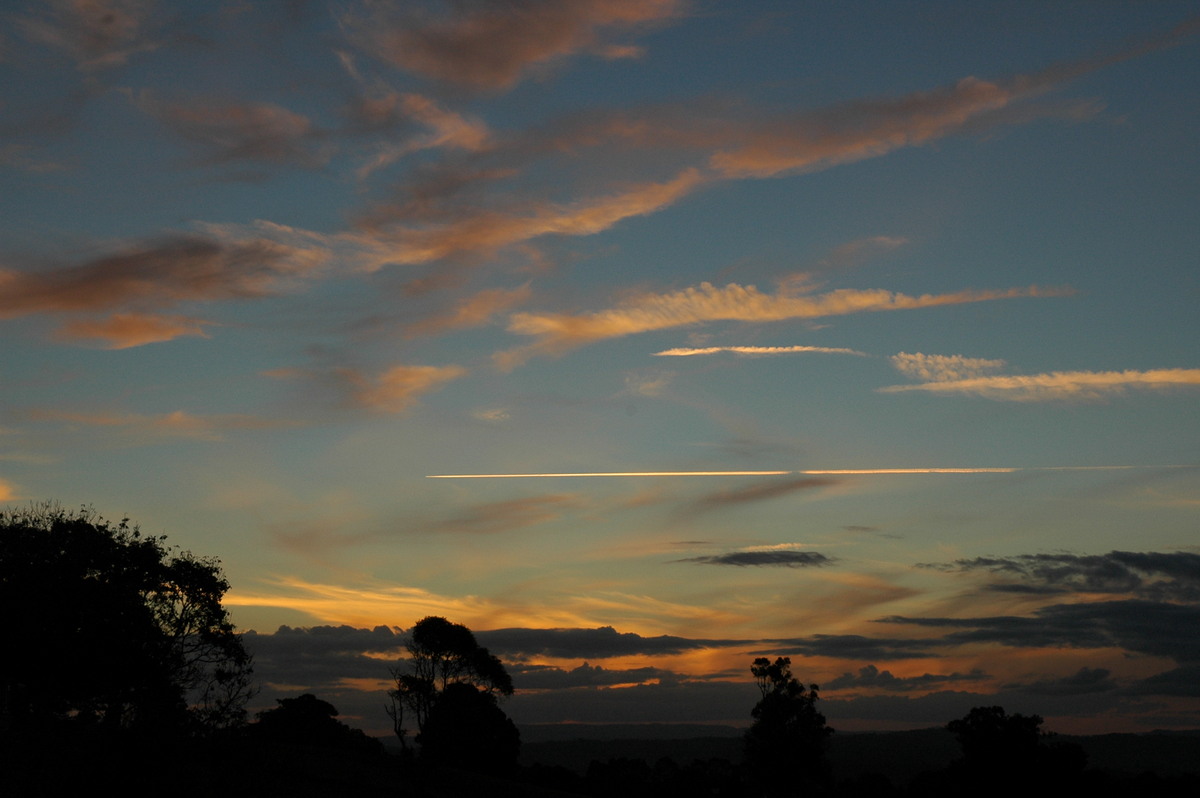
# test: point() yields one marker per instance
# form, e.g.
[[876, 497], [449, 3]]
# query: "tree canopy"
[[114, 629], [450, 686], [785, 746]]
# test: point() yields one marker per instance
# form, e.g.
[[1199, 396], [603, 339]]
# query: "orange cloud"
[[1059, 385], [558, 332], [756, 351], [8, 491], [474, 311], [175, 424], [491, 45], [938, 368], [490, 230], [397, 389], [447, 129], [125, 330]]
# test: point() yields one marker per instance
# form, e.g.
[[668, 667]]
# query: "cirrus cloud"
[[1058, 385]]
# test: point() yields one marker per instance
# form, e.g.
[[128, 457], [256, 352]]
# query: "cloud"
[[1155, 575], [473, 311], [1146, 627], [871, 676], [487, 230], [940, 368], [159, 274], [546, 677], [98, 34], [241, 131], [491, 44], [756, 351], [1184, 681], [445, 129], [601, 643], [1085, 681], [850, 647], [755, 492], [177, 424], [505, 516], [807, 142], [558, 332], [126, 330], [397, 389], [1059, 385], [8, 491], [781, 557]]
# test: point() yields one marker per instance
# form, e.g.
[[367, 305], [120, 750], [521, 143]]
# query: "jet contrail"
[[807, 472]]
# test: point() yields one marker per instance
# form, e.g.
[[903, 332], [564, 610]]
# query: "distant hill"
[[898, 755]]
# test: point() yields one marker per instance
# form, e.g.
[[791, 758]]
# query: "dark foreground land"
[[575, 762]]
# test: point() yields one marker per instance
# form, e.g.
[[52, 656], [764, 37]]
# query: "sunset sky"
[[864, 333]]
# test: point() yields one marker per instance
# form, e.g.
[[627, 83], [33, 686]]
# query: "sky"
[[643, 337]]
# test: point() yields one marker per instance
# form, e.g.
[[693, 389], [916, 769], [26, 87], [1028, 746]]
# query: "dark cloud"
[[851, 647], [787, 559], [1154, 575], [546, 677], [1083, 682], [1183, 681], [320, 657], [871, 676], [229, 131], [156, 274], [1145, 627], [599, 643]]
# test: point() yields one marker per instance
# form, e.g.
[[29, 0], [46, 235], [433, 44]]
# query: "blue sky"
[[265, 268]]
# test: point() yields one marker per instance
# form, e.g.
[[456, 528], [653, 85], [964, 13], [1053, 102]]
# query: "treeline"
[[123, 671]]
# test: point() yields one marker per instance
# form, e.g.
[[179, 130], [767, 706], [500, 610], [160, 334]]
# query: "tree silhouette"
[[450, 685], [785, 746], [308, 721], [161, 652], [1003, 749]]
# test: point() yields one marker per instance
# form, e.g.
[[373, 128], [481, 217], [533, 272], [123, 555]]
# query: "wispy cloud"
[[1059, 385], [98, 33], [488, 230], [506, 516], [232, 131], [756, 492], [757, 351], [938, 368], [126, 330], [176, 424], [491, 44], [558, 332], [398, 388], [473, 311], [159, 274]]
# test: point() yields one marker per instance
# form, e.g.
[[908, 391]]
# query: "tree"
[[449, 685], [785, 746], [308, 721], [114, 630], [999, 748]]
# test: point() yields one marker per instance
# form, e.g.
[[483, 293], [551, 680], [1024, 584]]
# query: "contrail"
[[807, 472]]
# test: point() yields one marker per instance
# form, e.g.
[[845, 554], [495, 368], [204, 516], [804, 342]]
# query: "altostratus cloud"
[[756, 351], [397, 388], [125, 330], [558, 332], [955, 374]]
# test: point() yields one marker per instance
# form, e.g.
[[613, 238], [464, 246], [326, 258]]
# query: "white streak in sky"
[[810, 472]]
